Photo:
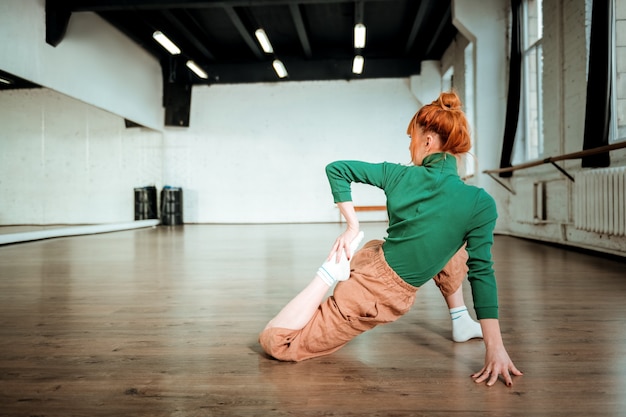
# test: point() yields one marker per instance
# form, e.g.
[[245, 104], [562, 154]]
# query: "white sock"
[[323, 273], [464, 327], [331, 271]]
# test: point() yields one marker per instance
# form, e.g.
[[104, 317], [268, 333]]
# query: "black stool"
[[171, 206], [146, 203]]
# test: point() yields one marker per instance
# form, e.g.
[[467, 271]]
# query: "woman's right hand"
[[346, 243], [343, 242]]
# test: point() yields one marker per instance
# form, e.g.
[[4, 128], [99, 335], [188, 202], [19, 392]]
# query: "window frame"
[[530, 135]]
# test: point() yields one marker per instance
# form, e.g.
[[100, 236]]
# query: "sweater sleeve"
[[342, 173], [479, 242]]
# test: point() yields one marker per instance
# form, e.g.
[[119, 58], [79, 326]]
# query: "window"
[[529, 140], [618, 93]]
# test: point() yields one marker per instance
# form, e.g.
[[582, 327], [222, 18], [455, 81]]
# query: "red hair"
[[444, 117]]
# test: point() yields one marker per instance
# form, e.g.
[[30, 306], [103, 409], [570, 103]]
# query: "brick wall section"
[[564, 75], [552, 77], [574, 73]]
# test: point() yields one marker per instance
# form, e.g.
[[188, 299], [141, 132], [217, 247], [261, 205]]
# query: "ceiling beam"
[[188, 35], [243, 31], [110, 5], [442, 24], [198, 25], [417, 23], [302, 35], [358, 11]]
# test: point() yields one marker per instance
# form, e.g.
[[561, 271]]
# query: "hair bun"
[[449, 100], [444, 117]]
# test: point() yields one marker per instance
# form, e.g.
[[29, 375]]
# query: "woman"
[[433, 216]]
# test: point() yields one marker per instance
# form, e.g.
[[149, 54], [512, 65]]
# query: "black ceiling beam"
[[117, 5], [243, 31], [296, 15], [417, 24], [198, 27], [359, 11], [190, 36], [440, 28]]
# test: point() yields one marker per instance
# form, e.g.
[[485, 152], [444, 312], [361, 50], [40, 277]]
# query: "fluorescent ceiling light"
[[357, 64], [359, 36], [166, 43], [5, 81], [264, 41], [197, 70], [280, 69]]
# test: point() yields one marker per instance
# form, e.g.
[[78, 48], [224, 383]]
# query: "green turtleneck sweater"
[[432, 213]]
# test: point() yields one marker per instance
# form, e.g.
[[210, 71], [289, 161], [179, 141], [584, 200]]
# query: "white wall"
[[85, 65], [257, 153], [253, 153], [65, 162]]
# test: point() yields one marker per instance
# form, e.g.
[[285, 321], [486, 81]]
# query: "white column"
[[484, 23]]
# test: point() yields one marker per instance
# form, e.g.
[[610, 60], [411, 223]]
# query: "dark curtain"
[[515, 79], [598, 106]]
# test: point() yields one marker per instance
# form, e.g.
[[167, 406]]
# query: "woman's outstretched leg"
[[373, 295], [297, 313]]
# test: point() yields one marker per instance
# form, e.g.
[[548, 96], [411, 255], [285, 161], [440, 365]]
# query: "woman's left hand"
[[497, 362]]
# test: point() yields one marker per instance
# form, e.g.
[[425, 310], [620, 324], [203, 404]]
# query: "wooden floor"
[[164, 322]]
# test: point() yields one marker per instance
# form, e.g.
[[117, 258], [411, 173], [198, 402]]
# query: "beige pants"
[[373, 295]]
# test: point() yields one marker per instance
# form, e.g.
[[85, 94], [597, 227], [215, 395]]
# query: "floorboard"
[[164, 322]]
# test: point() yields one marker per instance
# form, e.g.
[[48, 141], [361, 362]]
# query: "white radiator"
[[600, 201]]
